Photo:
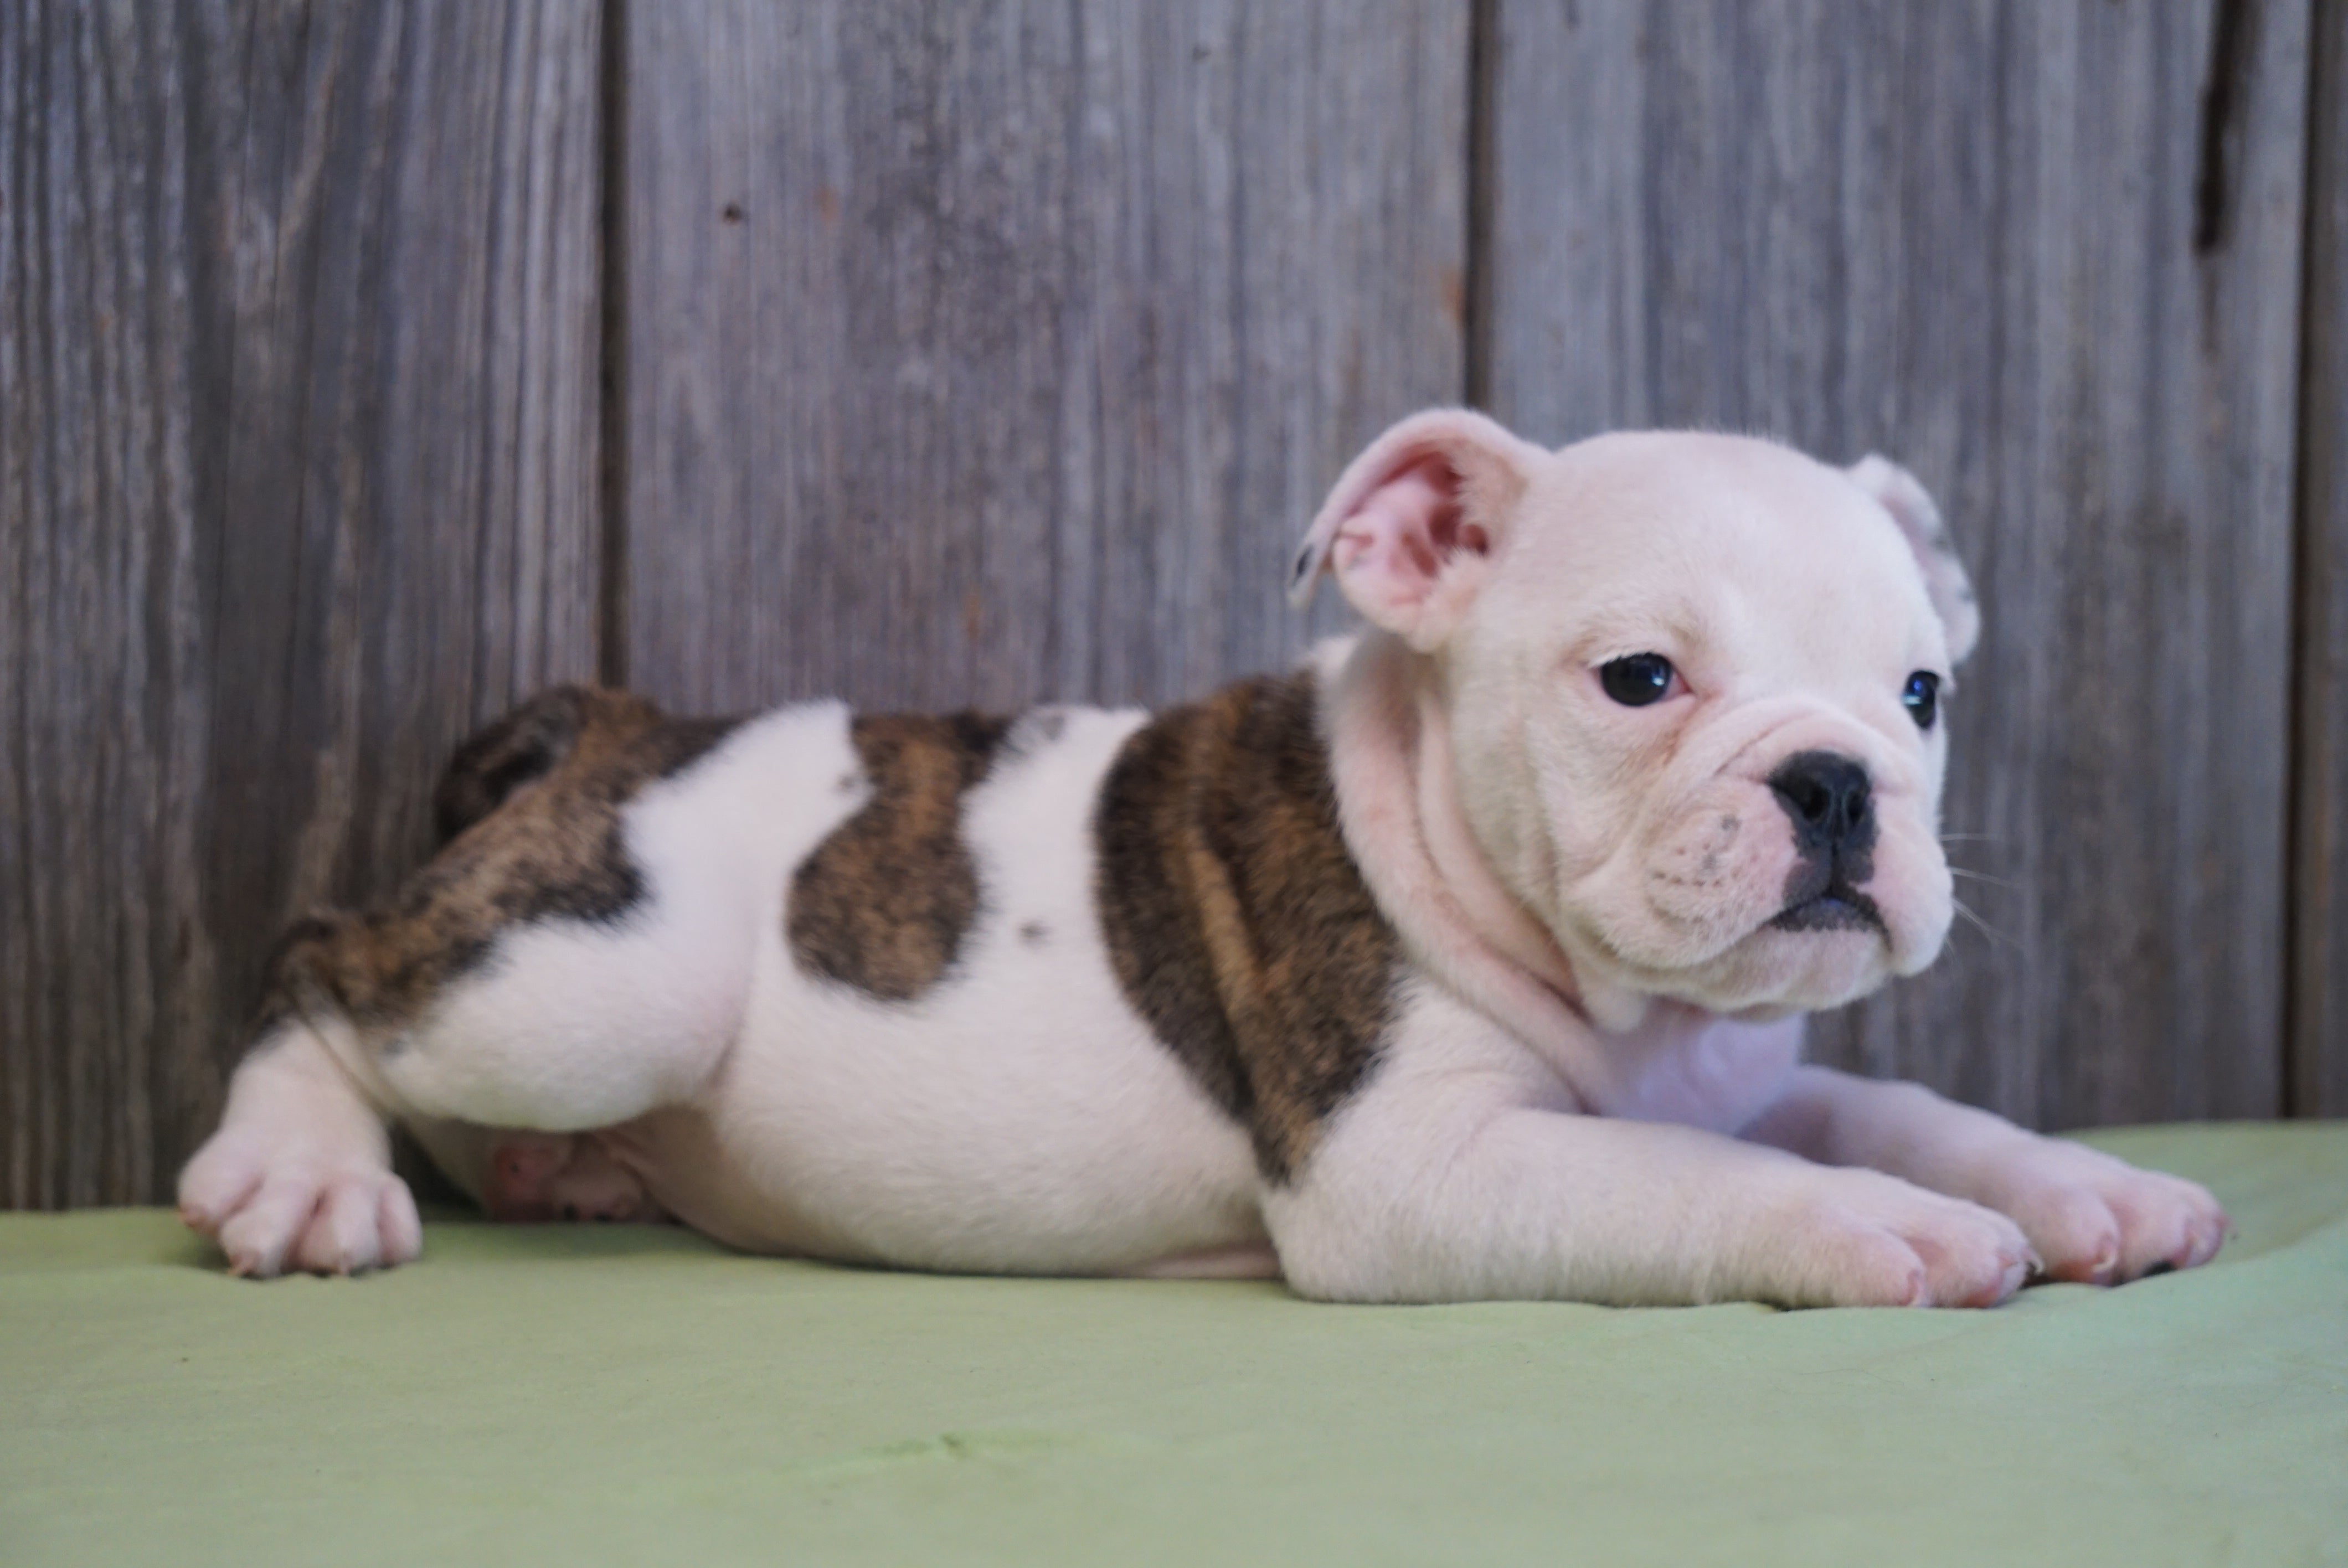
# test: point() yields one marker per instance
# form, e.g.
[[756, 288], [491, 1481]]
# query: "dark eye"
[[1922, 696], [1636, 679]]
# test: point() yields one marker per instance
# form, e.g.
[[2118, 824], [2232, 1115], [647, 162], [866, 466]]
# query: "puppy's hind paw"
[[538, 1176]]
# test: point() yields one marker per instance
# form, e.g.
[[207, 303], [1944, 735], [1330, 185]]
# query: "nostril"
[[1808, 800], [1828, 797]]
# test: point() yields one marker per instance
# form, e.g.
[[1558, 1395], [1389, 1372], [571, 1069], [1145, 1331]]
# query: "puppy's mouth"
[[1820, 895], [1841, 908]]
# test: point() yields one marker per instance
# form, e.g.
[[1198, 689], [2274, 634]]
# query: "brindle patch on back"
[[529, 811], [1235, 917], [884, 902]]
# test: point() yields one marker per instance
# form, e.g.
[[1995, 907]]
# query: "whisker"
[[1982, 876], [1971, 838], [1986, 929]]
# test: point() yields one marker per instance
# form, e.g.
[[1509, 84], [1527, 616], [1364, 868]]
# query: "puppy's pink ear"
[[1911, 507], [1411, 528]]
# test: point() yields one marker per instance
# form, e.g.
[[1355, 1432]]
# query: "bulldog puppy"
[[1468, 961]]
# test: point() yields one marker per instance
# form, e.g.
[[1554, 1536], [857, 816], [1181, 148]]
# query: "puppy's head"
[[1696, 688]]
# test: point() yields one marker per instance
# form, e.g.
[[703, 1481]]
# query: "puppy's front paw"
[[1862, 1239], [2097, 1220], [298, 1205]]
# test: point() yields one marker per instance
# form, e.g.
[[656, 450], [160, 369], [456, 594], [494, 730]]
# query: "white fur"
[[1018, 1116], [1592, 1089]]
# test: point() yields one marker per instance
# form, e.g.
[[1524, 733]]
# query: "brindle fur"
[[529, 811], [884, 902], [1236, 919]]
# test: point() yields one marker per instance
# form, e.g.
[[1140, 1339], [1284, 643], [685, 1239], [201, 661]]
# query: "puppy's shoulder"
[[1235, 917]]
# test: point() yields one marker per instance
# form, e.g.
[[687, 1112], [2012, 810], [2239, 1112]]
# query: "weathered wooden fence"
[[365, 366]]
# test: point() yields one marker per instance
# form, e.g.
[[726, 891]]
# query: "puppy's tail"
[[499, 763]]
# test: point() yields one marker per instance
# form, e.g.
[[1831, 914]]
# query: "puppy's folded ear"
[[1911, 507], [1413, 524]]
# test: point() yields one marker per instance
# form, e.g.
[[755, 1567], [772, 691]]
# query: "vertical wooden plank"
[[89, 314], [994, 353], [2319, 1083], [1984, 238], [298, 343]]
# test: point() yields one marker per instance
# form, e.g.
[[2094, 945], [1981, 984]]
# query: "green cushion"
[[585, 1395]]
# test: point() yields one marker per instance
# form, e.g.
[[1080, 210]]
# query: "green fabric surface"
[[587, 1395]]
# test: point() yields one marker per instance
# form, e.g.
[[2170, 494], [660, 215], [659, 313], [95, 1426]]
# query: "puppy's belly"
[[1003, 1111], [1017, 1120]]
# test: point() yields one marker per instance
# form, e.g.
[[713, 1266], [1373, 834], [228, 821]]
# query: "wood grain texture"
[[1965, 234], [298, 345], [991, 352], [1000, 351], [2318, 1054]]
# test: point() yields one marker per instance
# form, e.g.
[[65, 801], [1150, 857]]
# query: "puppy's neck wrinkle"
[[1398, 804], [1493, 913]]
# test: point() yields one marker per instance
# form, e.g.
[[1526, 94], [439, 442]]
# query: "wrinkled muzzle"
[[1806, 886]]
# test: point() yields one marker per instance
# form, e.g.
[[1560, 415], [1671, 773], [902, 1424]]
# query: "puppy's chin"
[[1800, 960], [1799, 965]]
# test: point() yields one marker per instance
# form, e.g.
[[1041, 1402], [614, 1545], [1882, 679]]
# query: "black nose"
[[1831, 800]]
